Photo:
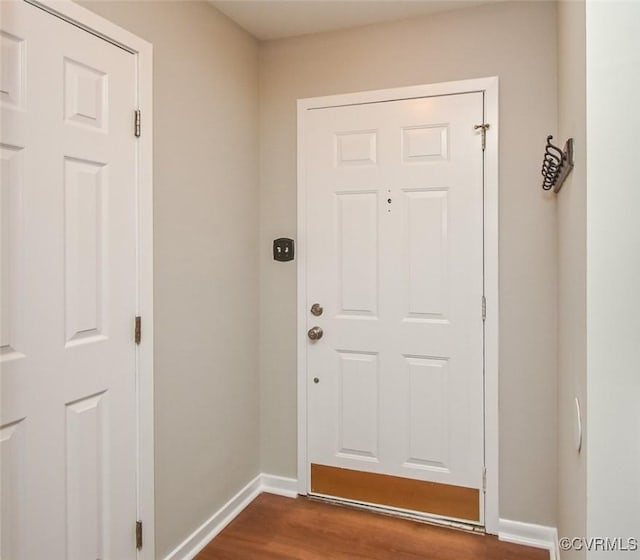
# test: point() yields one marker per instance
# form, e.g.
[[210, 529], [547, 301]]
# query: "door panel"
[[84, 250], [358, 426], [429, 395], [68, 286], [426, 265], [395, 257], [358, 252]]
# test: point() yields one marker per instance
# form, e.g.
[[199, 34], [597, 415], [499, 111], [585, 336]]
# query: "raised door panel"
[[12, 76], [87, 471], [427, 254], [12, 490], [85, 95], [358, 409], [428, 414], [85, 250], [425, 144], [11, 252], [357, 253], [356, 148]]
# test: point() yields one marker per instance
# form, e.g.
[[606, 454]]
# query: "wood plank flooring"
[[277, 528]]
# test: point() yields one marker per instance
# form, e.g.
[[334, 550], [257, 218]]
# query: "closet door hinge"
[[483, 127], [137, 127], [138, 535], [137, 337], [484, 479], [484, 308]]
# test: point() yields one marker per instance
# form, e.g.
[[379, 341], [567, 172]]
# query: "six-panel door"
[[395, 256], [68, 291]]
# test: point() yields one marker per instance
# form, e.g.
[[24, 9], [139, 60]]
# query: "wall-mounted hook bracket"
[[556, 165]]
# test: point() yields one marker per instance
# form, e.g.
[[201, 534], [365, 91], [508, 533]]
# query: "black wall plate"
[[283, 249]]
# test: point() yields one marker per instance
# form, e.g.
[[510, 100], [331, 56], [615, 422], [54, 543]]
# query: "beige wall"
[[572, 273], [517, 42], [206, 262]]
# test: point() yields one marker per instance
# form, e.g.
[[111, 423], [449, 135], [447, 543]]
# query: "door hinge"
[[484, 127], [136, 123], [138, 535], [484, 479], [138, 330], [484, 308]]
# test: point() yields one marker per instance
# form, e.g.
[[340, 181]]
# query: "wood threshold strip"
[[393, 491]]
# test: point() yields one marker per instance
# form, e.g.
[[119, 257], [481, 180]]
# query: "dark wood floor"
[[276, 528]]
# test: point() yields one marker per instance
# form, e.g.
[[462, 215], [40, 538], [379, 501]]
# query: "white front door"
[[68, 286], [394, 221]]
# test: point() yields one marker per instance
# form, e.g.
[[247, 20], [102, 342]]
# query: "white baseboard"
[[528, 534], [279, 485], [204, 534]]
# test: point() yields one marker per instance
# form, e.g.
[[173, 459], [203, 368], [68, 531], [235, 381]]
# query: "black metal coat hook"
[[556, 165]]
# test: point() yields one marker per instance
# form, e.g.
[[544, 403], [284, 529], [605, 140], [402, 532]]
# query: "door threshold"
[[400, 513]]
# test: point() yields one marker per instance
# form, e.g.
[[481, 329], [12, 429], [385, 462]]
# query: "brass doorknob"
[[315, 333]]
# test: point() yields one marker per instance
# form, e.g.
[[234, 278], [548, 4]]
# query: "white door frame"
[[143, 51], [489, 87]]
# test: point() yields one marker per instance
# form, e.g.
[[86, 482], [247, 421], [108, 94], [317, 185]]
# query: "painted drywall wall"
[[613, 272], [206, 262], [517, 42], [572, 274]]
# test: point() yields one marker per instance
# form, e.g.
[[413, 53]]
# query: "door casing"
[[489, 88], [143, 51]]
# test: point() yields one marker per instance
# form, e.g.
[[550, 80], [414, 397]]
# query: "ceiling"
[[276, 19]]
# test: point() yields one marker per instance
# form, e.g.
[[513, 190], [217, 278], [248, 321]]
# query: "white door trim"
[[489, 86], [143, 51]]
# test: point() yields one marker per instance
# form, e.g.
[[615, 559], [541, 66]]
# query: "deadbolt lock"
[[316, 309], [315, 333]]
